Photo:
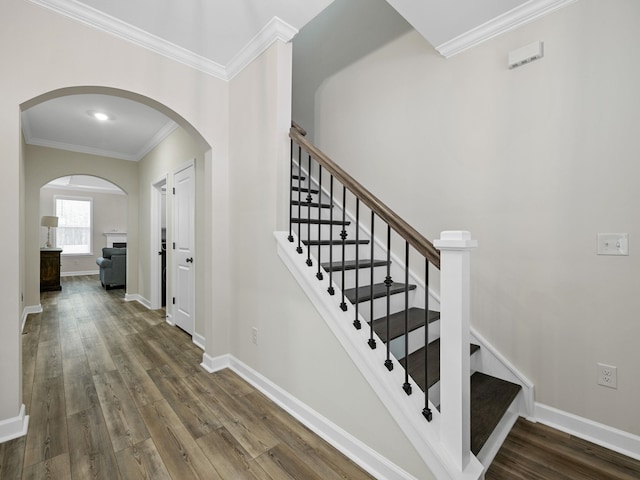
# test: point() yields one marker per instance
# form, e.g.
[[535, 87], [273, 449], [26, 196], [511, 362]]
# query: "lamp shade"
[[48, 221]]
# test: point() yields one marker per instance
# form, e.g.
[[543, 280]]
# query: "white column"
[[455, 255]]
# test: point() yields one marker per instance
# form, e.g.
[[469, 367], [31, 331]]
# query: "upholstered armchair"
[[113, 267]]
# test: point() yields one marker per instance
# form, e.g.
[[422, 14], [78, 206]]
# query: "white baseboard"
[[14, 427], [134, 297], [367, 458], [198, 340], [598, 433], [80, 274], [28, 311]]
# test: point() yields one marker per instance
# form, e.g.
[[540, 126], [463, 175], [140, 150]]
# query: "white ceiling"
[[66, 123], [220, 37], [84, 182]]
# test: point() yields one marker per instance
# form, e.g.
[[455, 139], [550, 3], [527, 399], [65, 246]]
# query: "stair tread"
[[416, 363], [304, 189], [351, 265], [323, 221], [304, 203], [490, 396], [490, 400], [334, 242], [379, 290], [298, 177], [396, 323]]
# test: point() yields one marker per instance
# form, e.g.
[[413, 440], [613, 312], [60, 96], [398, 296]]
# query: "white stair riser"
[[416, 340]]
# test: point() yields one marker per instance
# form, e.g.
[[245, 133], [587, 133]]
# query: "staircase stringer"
[[404, 409]]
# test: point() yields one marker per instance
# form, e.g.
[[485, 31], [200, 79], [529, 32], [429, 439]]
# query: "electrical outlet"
[[254, 335], [607, 375]]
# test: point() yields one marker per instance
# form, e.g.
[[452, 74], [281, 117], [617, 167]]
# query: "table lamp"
[[49, 221]]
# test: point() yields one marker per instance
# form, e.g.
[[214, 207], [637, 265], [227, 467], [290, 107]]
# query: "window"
[[73, 234]]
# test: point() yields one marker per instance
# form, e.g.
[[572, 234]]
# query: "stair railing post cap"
[[455, 240]]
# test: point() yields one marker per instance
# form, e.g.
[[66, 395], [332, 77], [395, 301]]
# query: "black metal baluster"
[[407, 386], [299, 249], [309, 198], [426, 411], [356, 322], [331, 290], [372, 341], [291, 192], [319, 275], [343, 236], [388, 282]]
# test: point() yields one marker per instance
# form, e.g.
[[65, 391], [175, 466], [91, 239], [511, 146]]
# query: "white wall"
[[295, 349], [109, 214], [534, 162]]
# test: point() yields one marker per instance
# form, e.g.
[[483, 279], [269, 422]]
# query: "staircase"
[[359, 266]]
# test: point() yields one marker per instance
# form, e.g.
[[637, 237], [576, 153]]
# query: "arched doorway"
[[171, 147]]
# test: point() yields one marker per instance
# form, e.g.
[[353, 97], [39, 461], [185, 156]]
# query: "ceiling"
[[67, 123], [220, 37]]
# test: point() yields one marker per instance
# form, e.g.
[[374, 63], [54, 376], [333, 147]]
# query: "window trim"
[[91, 222]]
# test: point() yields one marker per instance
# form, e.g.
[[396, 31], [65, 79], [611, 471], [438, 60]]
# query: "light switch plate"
[[613, 244]]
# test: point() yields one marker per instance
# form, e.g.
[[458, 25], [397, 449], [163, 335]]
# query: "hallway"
[[115, 392]]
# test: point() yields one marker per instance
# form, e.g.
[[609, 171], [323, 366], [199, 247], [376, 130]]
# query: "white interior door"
[[184, 248]]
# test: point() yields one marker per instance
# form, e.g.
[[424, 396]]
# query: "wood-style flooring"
[[114, 392], [533, 451]]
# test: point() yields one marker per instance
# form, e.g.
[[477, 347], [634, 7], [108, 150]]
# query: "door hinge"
[[174, 300], [174, 245], [174, 190]]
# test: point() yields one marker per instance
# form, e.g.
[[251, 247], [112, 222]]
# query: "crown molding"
[[80, 149], [154, 141], [510, 20], [276, 29]]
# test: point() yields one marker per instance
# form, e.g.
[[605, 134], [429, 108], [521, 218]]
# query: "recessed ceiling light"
[[101, 116]]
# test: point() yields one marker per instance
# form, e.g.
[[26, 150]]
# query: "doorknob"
[[190, 260]]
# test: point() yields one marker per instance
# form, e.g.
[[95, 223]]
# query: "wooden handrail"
[[406, 231], [297, 127]]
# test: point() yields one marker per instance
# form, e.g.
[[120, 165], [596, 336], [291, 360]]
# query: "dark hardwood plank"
[[47, 434], [282, 462], [49, 359], [142, 462], [91, 455], [12, 458], [98, 355], [193, 412], [179, 451], [229, 458], [125, 425], [541, 452], [141, 387], [57, 468]]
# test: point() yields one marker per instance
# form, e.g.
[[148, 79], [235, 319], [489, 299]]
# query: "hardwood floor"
[[114, 392], [533, 451]]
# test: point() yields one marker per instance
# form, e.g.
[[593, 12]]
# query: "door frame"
[[174, 258], [155, 244]]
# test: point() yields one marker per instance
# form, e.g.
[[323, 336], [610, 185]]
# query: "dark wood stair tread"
[[490, 400], [379, 290], [315, 243], [396, 322], [351, 265], [315, 221], [304, 203], [416, 363], [304, 189]]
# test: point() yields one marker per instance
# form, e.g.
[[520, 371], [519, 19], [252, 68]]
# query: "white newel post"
[[455, 255]]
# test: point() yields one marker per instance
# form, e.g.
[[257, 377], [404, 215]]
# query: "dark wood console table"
[[50, 269]]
